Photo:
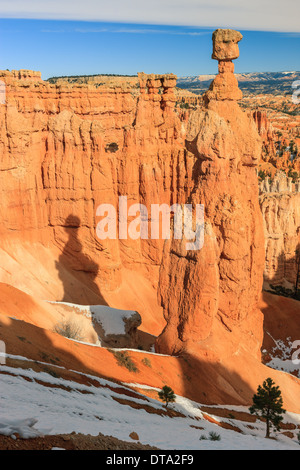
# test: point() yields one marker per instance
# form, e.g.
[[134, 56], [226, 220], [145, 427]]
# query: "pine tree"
[[267, 403], [167, 395]]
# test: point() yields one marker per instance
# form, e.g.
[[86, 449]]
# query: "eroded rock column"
[[217, 288]]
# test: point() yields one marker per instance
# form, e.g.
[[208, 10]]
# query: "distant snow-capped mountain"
[[252, 82]]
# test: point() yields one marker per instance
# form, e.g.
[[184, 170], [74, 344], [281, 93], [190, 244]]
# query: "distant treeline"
[[87, 76]]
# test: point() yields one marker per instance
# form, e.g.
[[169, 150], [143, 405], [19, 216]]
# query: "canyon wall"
[[280, 146], [279, 198], [280, 206], [66, 149]]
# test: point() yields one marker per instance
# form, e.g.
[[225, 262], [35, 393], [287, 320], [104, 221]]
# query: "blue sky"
[[71, 37], [74, 48]]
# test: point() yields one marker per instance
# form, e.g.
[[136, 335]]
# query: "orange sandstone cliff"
[[67, 148], [280, 205]]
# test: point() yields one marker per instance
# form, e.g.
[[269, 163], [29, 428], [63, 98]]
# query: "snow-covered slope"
[[36, 403]]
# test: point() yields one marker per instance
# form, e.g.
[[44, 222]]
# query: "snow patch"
[[111, 319], [23, 427], [281, 356]]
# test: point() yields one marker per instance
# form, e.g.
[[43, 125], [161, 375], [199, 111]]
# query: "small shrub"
[[213, 436], [68, 329], [112, 147], [44, 356], [184, 106], [146, 362], [51, 372], [187, 377], [125, 360], [21, 338]]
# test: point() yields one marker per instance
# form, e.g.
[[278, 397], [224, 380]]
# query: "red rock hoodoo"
[[218, 286]]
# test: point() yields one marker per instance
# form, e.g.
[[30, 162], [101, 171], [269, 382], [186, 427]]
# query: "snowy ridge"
[[30, 408]]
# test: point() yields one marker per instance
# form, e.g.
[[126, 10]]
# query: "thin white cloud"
[[129, 31], [148, 31], [293, 35], [266, 15]]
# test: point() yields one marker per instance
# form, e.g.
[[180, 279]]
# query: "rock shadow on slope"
[[78, 271]]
